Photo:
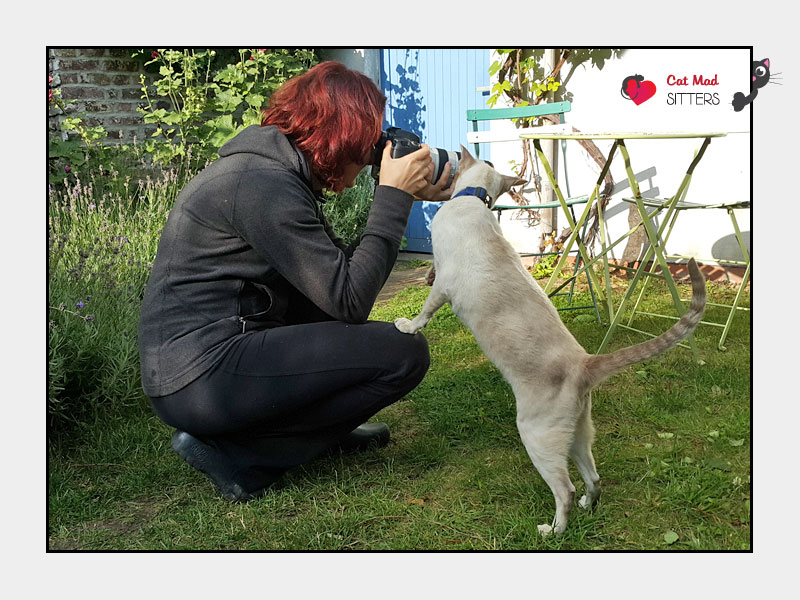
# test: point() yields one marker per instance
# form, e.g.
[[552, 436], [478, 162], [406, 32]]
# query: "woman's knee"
[[410, 354]]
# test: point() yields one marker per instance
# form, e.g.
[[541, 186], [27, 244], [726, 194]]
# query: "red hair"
[[333, 114]]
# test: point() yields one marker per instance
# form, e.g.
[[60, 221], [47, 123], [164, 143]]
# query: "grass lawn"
[[672, 449]]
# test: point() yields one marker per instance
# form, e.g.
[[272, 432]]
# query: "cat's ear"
[[766, 62], [466, 157], [510, 181]]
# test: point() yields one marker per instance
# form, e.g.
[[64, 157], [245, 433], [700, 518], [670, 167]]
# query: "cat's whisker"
[[774, 83]]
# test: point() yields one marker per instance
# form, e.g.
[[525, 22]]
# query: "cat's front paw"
[[739, 101], [405, 325]]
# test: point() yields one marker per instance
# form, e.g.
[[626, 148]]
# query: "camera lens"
[[440, 158]]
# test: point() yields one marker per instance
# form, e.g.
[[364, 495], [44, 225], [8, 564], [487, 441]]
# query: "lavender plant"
[[100, 249]]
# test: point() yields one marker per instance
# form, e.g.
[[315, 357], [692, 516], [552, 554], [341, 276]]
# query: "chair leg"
[[745, 278], [721, 344], [652, 268], [605, 250]]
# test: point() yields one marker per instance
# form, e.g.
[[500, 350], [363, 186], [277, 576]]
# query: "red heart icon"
[[642, 93]]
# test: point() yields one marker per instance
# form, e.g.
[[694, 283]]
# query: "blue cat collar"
[[478, 193]]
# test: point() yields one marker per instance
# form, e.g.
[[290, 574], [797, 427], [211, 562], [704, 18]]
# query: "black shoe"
[[233, 484], [364, 437]]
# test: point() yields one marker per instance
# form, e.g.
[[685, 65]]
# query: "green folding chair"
[[525, 112], [659, 205]]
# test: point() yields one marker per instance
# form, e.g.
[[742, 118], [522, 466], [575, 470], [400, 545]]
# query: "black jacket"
[[245, 247]]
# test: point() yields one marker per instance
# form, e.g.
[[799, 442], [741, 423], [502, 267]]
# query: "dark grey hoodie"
[[245, 247]]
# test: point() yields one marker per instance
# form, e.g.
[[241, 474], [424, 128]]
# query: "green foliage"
[[100, 248], [529, 81], [194, 106], [72, 144], [545, 267], [347, 212], [522, 78]]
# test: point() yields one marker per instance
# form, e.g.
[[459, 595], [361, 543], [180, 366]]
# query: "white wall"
[[365, 60], [722, 175]]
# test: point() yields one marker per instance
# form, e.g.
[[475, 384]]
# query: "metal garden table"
[[656, 246]]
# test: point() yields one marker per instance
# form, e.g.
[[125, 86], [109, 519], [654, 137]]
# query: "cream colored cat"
[[479, 273]]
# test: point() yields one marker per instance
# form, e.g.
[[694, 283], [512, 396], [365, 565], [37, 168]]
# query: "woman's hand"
[[410, 173], [439, 191]]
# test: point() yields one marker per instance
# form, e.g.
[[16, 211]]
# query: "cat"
[[759, 71], [482, 277]]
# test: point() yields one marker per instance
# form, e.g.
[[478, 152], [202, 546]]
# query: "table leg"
[[575, 226], [656, 246], [652, 271]]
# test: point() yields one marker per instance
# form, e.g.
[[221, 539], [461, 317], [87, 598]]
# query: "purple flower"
[[68, 169], [79, 305]]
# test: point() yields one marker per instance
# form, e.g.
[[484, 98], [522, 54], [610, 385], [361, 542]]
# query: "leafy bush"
[[194, 106], [347, 212], [71, 143]]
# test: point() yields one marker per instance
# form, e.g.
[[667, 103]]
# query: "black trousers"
[[280, 397]]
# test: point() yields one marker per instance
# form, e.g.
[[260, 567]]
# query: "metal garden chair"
[[478, 137], [670, 217]]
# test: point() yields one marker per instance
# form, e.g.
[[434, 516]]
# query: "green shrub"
[[193, 106], [347, 212]]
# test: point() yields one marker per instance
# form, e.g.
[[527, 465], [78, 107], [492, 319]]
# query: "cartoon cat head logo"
[[759, 77]]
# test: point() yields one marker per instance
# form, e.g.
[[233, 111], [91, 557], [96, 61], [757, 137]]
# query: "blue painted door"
[[428, 92]]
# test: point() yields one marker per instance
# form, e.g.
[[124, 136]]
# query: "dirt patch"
[[400, 278], [137, 515]]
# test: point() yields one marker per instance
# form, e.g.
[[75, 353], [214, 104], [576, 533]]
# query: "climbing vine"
[[522, 80]]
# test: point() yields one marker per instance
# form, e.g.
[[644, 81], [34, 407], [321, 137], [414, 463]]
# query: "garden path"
[[401, 277]]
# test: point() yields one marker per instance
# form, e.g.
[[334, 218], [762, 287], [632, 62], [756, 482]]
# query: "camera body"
[[404, 142]]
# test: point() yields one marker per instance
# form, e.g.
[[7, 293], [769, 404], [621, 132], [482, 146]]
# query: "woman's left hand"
[[439, 191]]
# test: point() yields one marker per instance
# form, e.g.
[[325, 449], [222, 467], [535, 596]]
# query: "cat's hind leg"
[[434, 302], [581, 453], [547, 445]]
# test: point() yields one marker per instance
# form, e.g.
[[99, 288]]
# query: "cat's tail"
[[602, 366]]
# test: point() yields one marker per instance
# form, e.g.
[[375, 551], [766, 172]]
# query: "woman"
[[253, 333]]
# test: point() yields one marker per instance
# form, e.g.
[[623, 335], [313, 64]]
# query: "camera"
[[404, 142]]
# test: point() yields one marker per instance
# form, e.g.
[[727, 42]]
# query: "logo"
[[761, 76], [637, 89]]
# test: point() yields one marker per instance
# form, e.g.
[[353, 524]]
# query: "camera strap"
[[478, 192]]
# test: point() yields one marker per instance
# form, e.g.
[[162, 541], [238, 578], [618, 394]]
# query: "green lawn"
[[673, 449]]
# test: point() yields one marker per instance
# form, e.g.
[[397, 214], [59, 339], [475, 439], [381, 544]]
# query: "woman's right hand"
[[410, 173]]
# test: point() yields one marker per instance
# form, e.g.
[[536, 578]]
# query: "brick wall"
[[104, 84]]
